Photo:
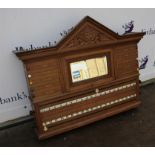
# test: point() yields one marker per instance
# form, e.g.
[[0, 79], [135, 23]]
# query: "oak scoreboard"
[[91, 74]]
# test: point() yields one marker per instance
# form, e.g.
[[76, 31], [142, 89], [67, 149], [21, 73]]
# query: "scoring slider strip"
[[85, 111], [86, 97]]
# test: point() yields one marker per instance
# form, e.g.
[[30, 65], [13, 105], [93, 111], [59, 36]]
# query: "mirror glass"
[[87, 69]]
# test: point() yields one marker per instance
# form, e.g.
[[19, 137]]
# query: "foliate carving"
[[87, 36]]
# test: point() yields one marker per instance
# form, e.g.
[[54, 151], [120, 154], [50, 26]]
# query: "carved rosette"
[[87, 36]]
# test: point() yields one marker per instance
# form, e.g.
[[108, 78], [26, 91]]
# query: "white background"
[[22, 27]]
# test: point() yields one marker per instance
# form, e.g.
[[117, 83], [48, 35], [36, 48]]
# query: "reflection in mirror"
[[90, 68]]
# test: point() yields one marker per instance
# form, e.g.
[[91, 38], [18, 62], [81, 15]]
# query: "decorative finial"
[[49, 44], [21, 49], [16, 48], [31, 47], [65, 32]]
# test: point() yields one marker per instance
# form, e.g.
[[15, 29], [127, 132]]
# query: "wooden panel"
[[126, 63], [120, 93], [76, 123], [92, 82], [86, 104], [44, 79], [61, 105], [88, 35]]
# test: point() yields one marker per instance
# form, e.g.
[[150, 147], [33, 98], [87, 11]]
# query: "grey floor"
[[133, 128]]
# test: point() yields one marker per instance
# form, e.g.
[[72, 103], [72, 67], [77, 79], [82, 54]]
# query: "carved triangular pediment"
[[87, 34]]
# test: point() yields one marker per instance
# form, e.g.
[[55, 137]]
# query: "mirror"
[[87, 69]]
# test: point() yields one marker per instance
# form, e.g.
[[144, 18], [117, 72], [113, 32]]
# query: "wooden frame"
[[99, 80], [59, 104]]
